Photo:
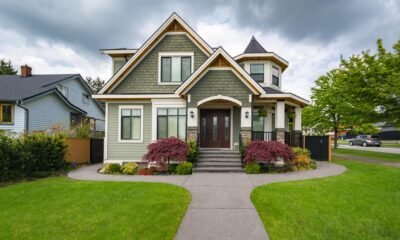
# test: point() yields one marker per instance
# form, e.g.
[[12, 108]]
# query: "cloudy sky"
[[65, 36]]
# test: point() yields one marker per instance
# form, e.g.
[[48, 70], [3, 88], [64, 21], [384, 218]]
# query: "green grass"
[[362, 203], [61, 208], [392, 157]]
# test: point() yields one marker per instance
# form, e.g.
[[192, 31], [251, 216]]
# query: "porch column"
[[245, 124], [280, 121], [192, 124], [297, 119]]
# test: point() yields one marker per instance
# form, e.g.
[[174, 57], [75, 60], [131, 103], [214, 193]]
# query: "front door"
[[215, 125]]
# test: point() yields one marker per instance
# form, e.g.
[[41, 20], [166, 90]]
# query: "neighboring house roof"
[[254, 47], [16, 88], [173, 24]]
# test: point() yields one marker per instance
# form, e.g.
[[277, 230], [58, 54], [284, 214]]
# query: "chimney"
[[26, 71]]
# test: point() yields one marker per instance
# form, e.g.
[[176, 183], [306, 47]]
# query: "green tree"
[[366, 129], [6, 68], [95, 84]]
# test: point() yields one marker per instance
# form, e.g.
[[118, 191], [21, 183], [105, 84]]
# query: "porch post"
[[280, 121], [245, 124], [192, 124], [297, 119]]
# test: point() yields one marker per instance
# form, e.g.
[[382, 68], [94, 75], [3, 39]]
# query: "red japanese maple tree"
[[165, 150], [269, 152]]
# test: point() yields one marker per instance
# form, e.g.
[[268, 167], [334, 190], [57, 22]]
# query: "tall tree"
[[6, 68], [95, 84]]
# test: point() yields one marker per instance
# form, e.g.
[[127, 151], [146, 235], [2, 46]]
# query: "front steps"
[[211, 161]]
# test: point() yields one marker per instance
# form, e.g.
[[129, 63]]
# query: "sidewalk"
[[221, 207]]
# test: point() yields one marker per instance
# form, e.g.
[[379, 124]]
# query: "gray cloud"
[[88, 25]]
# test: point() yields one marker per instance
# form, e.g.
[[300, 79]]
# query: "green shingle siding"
[[219, 82], [127, 151], [118, 64], [144, 78]]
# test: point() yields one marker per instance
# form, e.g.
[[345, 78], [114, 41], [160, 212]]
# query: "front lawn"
[[61, 208], [362, 203], [392, 157]]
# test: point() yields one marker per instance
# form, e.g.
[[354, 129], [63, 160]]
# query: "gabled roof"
[[254, 47], [15, 87], [173, 24], [221, 59]]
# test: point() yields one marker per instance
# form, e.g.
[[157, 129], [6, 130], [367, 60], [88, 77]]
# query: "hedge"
[[30, 155]]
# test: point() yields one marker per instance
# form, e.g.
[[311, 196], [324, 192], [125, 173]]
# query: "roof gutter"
[[19, 104]]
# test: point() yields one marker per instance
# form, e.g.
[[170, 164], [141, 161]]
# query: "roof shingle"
[[254, 47]]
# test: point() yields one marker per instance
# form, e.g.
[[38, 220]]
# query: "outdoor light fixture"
[[247, 114], [191, 114]]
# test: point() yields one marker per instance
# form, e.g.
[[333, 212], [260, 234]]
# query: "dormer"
[[119, 56], [265, 67]]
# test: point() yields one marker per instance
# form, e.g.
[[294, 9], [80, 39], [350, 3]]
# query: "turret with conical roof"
[[254, 47]]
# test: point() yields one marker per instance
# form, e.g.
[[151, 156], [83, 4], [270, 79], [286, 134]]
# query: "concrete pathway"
[[367, 160], [371, 149], [221, 207]]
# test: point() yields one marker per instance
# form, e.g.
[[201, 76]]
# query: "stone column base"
[[246, 136], [280, 135], [191, 134]]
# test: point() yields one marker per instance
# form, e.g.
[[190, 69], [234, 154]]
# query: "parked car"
[[366, 140]]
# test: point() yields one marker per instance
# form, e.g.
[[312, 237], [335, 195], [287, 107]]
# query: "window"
[[6, 113], [175, 69], [131, 123], [275, 76], [64, 90], [171, 122], [85, 99], [257, 72], [258, 120], [75, 119]]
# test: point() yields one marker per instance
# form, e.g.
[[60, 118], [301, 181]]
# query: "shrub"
[[268, 152], [165, 150], [129, 168], [172, 168], [193, 152], [184, 168], [303, 160], [146, 171], [253, 168], [30, 155], [111, 168]]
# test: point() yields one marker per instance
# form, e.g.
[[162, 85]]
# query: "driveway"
[[372, 149], [221, 207]]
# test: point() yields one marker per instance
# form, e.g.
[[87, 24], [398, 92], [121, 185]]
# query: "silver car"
[[366, 140]]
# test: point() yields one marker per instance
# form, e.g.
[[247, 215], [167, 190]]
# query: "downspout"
[[19, 104]]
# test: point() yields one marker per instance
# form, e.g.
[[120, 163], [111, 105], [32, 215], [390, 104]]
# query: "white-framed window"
[[257, 72], [130, 123], [64, 90], [175, 68], [275, 76], [171, 122], [85, 98]]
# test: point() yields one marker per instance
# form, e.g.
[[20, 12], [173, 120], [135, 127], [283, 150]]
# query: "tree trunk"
[[335, 138]]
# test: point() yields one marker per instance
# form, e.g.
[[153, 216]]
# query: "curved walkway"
[[221, 207]]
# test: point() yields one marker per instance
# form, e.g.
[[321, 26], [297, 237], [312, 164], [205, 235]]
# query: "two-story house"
[[37, 102], [176, 85]]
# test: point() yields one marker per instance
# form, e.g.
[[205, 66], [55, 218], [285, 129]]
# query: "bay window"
[[171, 122], [257, 72], [275, 76]]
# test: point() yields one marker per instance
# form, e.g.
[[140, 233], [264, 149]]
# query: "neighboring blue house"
[[38, 102]]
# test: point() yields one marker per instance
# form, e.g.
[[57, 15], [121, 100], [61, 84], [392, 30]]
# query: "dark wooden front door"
[[215, 128]]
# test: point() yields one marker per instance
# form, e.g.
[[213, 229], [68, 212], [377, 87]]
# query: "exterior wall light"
[[247, 114], [191, 114]]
